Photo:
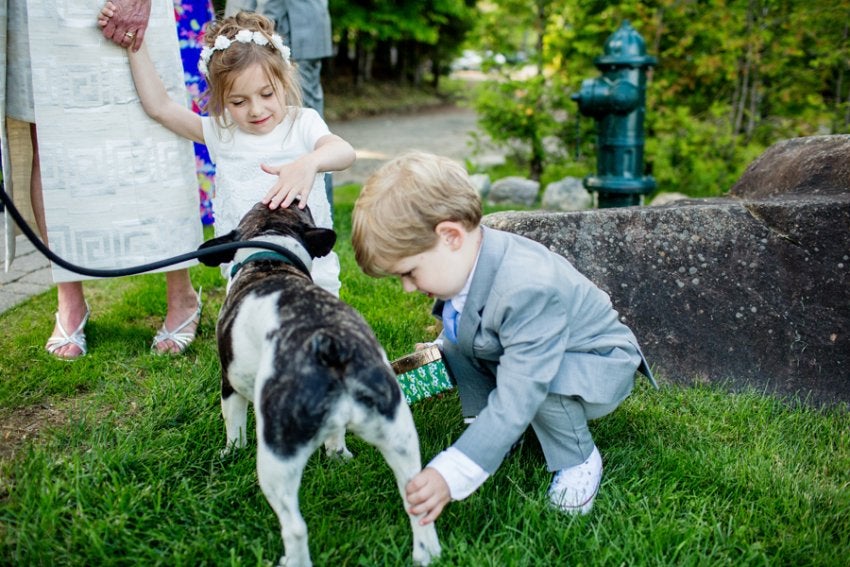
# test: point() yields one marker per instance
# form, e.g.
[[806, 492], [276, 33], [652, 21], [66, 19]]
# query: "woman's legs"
[[182, 300], [71, 301], [183, 305]]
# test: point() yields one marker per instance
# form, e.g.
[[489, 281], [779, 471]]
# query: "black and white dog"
[[312, 367]]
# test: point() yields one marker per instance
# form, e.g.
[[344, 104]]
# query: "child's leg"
[[474, 384], [561, 427]]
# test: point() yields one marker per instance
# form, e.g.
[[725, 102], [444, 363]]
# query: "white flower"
[[277, 41], [243, 36], [204, 61], [221, 42]]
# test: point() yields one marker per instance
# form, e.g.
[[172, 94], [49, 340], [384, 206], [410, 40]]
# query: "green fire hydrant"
[[617, 101]]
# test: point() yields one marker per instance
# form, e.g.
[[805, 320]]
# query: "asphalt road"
[[445, 131]]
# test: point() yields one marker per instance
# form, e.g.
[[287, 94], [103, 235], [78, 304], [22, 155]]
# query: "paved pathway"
[[443, 131], [30, 273]]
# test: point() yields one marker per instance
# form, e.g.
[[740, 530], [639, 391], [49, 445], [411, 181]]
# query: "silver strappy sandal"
[[178, 336], [77, 338]]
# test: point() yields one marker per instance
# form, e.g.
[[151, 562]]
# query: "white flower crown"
[[244, 36]]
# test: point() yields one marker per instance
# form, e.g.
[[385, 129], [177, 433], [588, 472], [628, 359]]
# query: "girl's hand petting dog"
[[295, 180]]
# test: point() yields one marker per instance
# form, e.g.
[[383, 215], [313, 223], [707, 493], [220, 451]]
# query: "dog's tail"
[[366, 378]]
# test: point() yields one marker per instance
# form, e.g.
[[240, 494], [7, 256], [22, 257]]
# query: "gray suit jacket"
[[538, 326], [304, 24]]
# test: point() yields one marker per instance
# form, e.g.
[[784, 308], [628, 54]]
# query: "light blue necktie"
[[450, 317]]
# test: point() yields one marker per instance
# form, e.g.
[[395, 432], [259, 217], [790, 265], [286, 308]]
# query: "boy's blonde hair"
[[402, 203], [225, 65]]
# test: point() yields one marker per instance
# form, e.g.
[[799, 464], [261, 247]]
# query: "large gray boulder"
[[749, 290]]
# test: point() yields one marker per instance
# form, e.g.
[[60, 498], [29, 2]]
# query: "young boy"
[[527, 338]]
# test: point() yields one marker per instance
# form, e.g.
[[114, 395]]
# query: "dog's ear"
[[319, 241], [217, 258]]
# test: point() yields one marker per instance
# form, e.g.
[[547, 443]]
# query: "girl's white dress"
[[241, 183]]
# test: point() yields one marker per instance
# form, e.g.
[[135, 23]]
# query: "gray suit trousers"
[[560, 423]]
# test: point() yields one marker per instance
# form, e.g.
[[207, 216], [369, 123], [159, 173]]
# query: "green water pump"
[[617, 102]]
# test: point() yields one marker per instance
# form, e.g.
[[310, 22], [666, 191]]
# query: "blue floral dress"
[[192, 16]]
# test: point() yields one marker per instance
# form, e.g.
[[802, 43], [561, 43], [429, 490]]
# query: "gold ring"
[[131, 35]]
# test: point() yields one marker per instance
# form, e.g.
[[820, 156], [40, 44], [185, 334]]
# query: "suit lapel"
[[492, 250]]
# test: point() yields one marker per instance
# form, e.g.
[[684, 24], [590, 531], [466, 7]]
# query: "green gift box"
[[422, 374]]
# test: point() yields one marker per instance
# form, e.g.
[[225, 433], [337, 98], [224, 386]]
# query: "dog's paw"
[[229, 451], [423, 557], [426, 545], [340, 453], [286, 562], [335, 447]]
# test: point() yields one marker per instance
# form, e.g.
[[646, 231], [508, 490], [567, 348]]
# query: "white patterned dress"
[[119, 189]]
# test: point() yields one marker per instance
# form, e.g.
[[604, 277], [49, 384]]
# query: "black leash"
[[133, 270]]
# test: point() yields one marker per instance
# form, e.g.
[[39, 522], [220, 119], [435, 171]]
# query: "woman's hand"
[[124, 22]]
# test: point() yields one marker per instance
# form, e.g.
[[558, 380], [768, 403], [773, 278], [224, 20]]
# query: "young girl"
[[264, 145]]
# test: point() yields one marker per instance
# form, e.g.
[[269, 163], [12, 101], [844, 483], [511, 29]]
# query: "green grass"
[[125, 470]]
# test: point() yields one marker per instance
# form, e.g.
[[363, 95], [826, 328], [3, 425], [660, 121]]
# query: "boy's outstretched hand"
[[428, 494]]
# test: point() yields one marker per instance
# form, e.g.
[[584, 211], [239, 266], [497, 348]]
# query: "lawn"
[[114, 460]]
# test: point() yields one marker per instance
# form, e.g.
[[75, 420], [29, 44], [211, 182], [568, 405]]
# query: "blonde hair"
[[225, 65], [402, 203]]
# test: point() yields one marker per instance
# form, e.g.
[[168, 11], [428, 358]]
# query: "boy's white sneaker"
[[574, 488]]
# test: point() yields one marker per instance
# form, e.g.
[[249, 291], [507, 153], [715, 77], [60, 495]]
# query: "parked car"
[[469, 60]]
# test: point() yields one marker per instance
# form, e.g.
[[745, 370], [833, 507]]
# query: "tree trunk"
[[743, 92], [839, 84], [755, 103], [656, 41]]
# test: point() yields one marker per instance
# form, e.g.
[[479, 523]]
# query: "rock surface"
[[514, 190], [752, 290], [568, 194]]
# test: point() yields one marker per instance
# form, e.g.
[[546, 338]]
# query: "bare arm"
[[156, 102], [295, 179]]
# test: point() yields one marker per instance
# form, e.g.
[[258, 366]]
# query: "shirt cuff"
[[462, 474]]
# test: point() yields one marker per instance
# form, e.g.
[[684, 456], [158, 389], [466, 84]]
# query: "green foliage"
[[734, 76], [418, 30], [699, 158], [521, 111]]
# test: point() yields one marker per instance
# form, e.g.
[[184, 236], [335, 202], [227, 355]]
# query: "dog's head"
[[261, 221]]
